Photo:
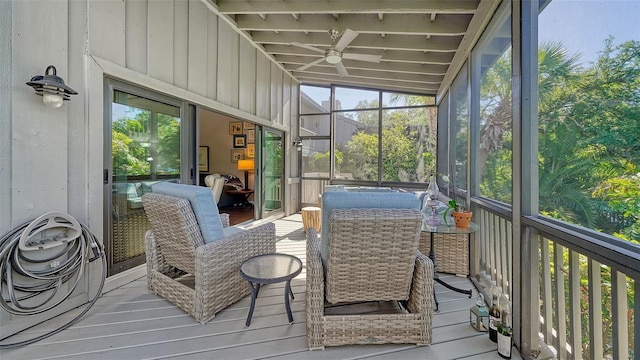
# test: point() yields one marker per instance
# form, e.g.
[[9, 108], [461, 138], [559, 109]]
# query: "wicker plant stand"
[[452, 251]]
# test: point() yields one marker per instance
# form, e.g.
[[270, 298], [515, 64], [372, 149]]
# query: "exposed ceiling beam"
[[391, 55], [367, 74], [342, 6], [391, 42], [405, 24], [428, 69], [399, 85]]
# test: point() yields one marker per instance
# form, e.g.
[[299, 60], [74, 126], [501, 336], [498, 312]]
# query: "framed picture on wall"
[[251, 151], [239, 141], [249, 126], [235, 127], [251, 136], [203, 159], [236, 154]]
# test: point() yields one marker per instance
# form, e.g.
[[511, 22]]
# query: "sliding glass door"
[[273, 172], [142, 147]]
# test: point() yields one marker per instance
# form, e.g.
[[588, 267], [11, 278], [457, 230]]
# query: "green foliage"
[[407, 155], [589, 149], [128, 159], [131, 158]]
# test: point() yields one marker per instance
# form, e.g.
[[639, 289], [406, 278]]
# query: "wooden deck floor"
[[131, 323]]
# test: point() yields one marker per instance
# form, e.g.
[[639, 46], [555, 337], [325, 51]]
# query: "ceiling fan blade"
[[346, 39], [341, 69], [308, 47], [362, 57], [305, 67]]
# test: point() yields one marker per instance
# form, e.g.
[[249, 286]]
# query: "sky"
[[583, 25]]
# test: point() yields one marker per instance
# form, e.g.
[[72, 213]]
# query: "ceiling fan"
[[334, 54]]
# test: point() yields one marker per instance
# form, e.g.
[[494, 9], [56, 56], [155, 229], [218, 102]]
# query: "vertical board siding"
[[135, 35], [263, 87], [80, 184], [160, 40], [6, 90], [197, 59], [107, 30], [247, 77], [181, 43], [228, 57], [212, 56], [276, 94], [39, 139], [286, 102]]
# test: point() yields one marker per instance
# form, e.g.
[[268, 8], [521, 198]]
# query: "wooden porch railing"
[[587, 296]]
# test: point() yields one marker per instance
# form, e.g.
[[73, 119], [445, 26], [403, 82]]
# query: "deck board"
[[131, 323]]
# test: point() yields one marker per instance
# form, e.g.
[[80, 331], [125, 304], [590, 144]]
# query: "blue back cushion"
[[202, 203], [351, 200]]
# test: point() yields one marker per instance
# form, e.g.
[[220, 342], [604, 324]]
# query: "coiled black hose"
[[38, 259]]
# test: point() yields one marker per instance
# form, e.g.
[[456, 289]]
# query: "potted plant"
[[461, 216]]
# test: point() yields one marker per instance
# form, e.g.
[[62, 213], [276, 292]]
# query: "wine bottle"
[[505, 334], [494, 313]]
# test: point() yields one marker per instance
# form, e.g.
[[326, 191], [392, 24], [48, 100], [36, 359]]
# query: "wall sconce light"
[[51, 87], [298, 143]]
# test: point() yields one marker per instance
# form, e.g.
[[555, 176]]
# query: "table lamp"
[[246, 166]]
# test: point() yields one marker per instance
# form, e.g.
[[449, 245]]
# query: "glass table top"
[[449, 229], [271, 267]]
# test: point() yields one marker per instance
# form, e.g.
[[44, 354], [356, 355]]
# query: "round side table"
[[270, 269], [311, 217]]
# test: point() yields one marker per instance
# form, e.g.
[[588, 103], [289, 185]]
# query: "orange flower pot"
[[462, 219]]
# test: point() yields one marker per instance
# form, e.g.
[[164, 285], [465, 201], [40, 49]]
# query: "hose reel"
[[42, 263]]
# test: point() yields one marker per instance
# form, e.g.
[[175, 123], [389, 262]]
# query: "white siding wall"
[[52, 159]]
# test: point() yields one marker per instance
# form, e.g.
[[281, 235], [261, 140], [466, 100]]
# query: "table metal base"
[[255, 289], [432, 256]]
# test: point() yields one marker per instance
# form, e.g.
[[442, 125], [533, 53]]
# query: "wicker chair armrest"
[[315, 291], [217, 265], [247, 243], [224, 217], [421, 296], [221, 259]]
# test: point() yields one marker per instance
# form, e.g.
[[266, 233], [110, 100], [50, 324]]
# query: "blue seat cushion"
[[351, 200], [203, 205]]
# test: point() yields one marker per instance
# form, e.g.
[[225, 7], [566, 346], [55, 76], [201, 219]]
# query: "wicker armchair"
[[373, 256], [199, 278]]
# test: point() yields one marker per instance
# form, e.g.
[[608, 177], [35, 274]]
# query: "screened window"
[[589, 111], [460, 127], [492, 66], [365, 141]]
